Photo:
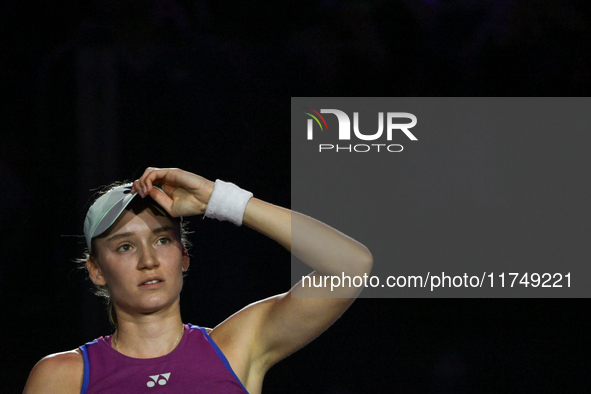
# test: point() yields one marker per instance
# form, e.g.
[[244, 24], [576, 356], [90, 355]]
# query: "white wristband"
[[227, 202]]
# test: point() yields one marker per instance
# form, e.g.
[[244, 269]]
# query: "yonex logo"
[[155, 378]]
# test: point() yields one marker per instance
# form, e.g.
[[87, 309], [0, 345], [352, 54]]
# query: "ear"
[[185, 259], [95, 273]]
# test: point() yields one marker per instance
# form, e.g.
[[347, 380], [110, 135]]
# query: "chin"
[[157, 304]]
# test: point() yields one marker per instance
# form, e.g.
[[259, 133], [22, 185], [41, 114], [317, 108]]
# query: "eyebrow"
[[158, 230]]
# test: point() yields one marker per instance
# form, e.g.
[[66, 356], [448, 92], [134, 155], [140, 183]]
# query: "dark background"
[[96, 91]]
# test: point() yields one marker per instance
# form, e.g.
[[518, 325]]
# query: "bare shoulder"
[[57, 373]]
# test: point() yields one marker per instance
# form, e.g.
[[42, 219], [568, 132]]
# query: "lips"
[[151, 281]]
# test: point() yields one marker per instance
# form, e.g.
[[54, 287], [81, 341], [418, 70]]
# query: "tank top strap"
[[219, 353]]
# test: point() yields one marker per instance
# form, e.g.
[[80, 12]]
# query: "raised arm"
[[295, 318]]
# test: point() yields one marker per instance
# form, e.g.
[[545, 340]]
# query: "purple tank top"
[[197, 365]]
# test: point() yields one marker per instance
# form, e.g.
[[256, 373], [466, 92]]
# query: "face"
[[141, 259]]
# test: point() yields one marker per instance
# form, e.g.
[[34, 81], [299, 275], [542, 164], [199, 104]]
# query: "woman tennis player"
[[137, 257]]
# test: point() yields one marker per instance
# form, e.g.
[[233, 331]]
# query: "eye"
[[163, 241], [124, 248]]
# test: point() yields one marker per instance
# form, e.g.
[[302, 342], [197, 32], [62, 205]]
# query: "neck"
[[150, 337]]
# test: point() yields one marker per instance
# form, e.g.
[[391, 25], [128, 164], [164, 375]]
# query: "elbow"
[[367, 260], [364, 260]]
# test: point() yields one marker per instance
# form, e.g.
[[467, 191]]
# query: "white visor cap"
[[105, 211]]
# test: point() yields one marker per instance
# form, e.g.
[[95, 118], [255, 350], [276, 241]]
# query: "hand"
[[188, 193]]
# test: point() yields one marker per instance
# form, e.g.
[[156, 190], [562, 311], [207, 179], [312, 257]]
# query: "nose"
[[148, 259]]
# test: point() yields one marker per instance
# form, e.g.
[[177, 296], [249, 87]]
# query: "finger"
[[146, 178], [135, 186], [163, 200], [163, 177], [145, 182], [148, 183], [138, 187], [158, 177], [169, 179]]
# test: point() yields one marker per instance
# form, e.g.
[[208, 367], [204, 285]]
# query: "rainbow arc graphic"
[[315, 118]]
